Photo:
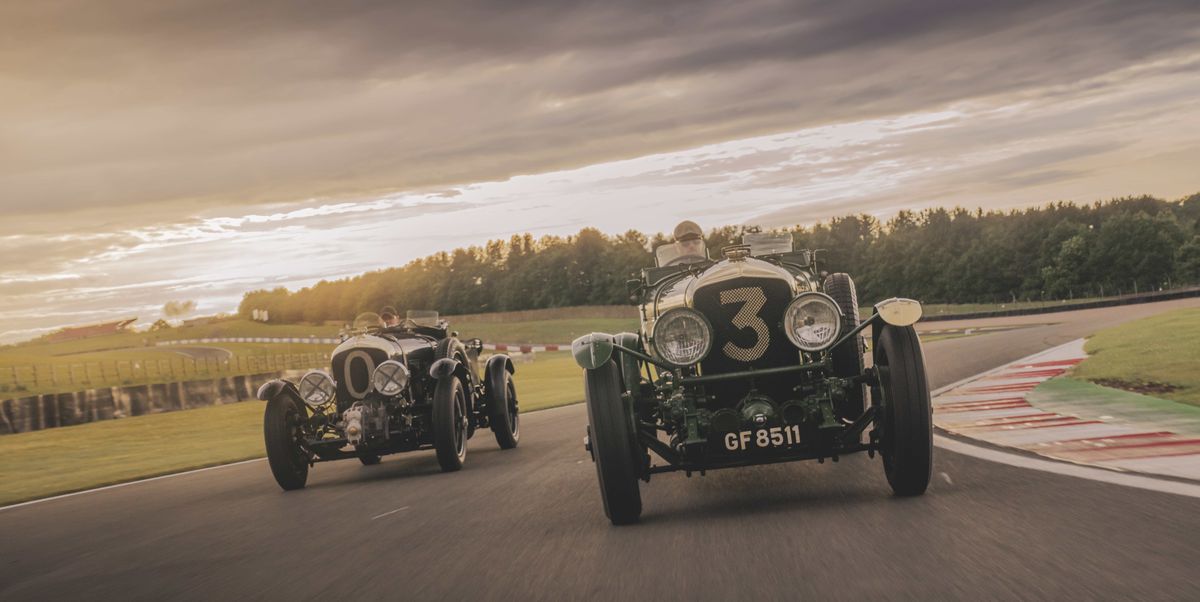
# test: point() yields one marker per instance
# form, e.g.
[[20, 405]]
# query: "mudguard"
[[630, 370], [272, 388], [445, 367], [592, 350], [499, 362], [493, 373]]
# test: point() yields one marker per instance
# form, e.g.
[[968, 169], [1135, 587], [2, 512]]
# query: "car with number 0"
[[391, 388], [757, 357]]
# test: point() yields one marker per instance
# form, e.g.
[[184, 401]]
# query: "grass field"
[[61, 460], [1156, 356]]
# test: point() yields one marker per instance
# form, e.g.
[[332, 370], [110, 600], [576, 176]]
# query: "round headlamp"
[[682, 337], [390, 378], [812, 321], [317, 388]]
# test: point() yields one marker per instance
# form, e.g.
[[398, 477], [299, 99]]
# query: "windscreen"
[[676, 253], [367, 321], [768, 243], [423, 317]]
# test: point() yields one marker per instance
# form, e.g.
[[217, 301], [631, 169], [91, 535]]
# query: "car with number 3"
[[391, 388], [758, 357]]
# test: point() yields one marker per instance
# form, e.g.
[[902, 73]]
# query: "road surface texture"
[[527, 524]]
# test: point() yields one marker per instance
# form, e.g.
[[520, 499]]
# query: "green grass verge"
[[1158, 355], [54, 461], [61, 460]]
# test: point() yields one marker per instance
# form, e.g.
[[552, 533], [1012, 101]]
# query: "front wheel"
[[906, 432], [611, 437], [847, 358], [450, 424], [505, 415], [282, 432]]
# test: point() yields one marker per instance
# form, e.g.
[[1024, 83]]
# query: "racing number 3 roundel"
[[752, 299]]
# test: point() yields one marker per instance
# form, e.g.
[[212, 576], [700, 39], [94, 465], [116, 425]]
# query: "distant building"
[[74, 333]]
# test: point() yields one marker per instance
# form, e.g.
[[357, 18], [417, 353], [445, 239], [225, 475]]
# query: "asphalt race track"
[[527, 524]]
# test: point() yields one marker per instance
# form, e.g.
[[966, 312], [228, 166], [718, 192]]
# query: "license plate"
[[764, 438]]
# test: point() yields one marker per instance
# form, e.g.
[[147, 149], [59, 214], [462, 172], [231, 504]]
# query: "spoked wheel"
[[283, 431], [369, 460], [906, 432], [450, 424], [611, 435], [505, 414]]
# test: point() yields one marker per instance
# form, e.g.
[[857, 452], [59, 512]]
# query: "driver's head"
[[689, 238], [388, 315]]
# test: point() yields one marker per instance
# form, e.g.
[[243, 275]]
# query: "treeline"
[[1058, 251]]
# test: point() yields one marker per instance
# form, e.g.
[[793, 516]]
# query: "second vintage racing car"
[[412, 385], [752, 359]]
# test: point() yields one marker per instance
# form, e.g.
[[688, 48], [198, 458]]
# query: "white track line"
[[118, 485], [180, 474], [389, 512], [1070, 470]]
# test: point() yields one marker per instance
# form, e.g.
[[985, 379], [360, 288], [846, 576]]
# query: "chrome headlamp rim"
[[317, 388], [807, 297], [674, 314], [390, 378]]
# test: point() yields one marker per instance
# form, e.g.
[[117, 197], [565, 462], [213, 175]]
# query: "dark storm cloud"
[[170, 106]]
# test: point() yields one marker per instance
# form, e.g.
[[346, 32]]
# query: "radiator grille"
[[352, 370], [747, 316]]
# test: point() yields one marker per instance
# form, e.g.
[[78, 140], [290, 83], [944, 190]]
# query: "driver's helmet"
[[689, 239]]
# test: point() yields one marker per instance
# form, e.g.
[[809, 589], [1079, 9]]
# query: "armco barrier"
[[52, 410]]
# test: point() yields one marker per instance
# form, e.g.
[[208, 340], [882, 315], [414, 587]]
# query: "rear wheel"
[[847, 357], [906, 429], [505, 416], [450, 423], [282, 432], [611, 436]]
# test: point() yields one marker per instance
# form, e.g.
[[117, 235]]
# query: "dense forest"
[[1058, 251]]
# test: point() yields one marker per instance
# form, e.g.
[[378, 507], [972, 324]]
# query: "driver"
[[689, 241], [389, 317]]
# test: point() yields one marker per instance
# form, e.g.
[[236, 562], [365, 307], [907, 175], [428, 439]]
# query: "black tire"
[[611, 436], [369, 460], [847, 357], [450, 423], [906, 429], [505, 416], [281, 431], [452, 348]]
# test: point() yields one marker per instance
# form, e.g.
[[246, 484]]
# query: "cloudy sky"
[[162, 150]]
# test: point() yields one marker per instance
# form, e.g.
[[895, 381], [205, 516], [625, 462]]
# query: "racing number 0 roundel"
[[358, 387]]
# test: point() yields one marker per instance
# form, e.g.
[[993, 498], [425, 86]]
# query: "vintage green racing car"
[[751, 359]]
